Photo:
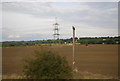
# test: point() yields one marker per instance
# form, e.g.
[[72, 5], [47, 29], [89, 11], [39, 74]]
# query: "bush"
[[47, 65]]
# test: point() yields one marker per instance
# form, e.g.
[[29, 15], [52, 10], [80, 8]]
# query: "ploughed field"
[[92, 61]]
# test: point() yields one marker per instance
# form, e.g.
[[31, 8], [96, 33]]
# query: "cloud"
[[14, 36], [31, 20], [60, 0]]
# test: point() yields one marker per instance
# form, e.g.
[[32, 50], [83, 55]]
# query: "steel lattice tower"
[[56, 30]]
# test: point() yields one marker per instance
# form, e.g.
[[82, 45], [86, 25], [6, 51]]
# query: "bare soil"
[[92, 61]]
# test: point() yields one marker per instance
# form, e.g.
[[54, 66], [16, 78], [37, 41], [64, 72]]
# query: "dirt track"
[[96, 59]]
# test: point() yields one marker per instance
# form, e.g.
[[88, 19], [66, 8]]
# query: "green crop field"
[[93, 61]]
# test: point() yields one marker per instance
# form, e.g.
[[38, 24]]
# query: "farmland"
[[93, 61]]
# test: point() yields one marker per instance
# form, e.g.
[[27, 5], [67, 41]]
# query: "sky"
[[59, 0], [34, 20]]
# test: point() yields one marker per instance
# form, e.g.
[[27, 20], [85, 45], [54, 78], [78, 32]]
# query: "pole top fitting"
[[73, 27]]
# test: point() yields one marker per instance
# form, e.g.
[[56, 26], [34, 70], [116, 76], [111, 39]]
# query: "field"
[[92, 62]]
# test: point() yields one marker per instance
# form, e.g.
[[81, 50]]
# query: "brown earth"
[[93, 61]]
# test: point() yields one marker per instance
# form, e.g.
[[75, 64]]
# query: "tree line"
[[82, 40]]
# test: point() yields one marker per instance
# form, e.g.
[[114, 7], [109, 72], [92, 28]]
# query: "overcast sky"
[[34, 20]]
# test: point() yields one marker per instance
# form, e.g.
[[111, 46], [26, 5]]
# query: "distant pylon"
[[56, 30]]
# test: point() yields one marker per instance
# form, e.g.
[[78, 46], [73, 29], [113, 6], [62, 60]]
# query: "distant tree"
[[47, 65]]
